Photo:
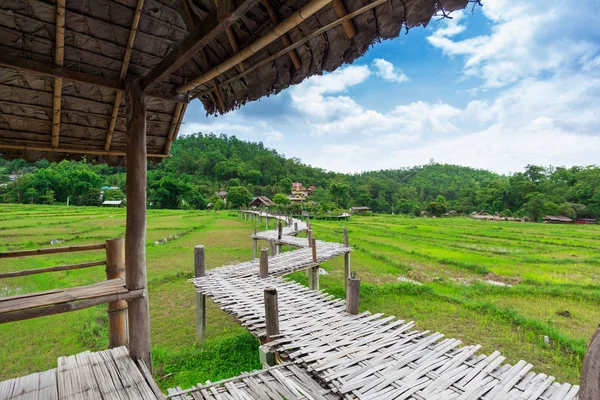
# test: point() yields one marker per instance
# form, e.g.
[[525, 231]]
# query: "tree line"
[[204, 164]]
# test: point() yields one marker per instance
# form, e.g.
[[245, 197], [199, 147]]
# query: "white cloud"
[[386, 70], [527, 39]]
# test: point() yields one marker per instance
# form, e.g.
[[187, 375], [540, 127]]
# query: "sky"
[[495, 87]]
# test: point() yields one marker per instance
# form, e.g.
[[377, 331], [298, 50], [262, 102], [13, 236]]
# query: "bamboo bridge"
[[329, 353]]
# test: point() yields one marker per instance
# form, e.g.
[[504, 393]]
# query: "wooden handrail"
[[51, 269], [52, 250]]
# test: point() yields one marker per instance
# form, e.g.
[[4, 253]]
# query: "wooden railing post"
[[263, 266], [271, 313], [117, 311], [590, 373], [346, 261], [296, 227], [199, 271], [353, 295], [313, 276]]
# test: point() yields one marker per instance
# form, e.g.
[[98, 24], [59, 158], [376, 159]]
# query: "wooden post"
[[279, 236], [296, 227], [590, 373], [263, 266], [309, 237], [254, 243], [271, 313], [135, 230], [346, 261], [272, 250], [117, 311], [267, 223], [200, 270], [352, 296], [313, 277]]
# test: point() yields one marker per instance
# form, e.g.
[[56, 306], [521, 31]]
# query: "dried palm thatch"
[[63, 63]]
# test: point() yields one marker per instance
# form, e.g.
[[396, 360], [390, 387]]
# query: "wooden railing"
[[114, 294]]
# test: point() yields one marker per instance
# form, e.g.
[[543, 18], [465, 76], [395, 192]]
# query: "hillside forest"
[[204, 164]]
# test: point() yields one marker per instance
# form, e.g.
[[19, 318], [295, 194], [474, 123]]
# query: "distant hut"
[[585, 221], [360, 210], [557, 219], [261, 202], [113, 203]]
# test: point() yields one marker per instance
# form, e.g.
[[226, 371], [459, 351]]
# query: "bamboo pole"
[[117, 310], [199, 271], [123, 73], [73, 150], [135, 230], [59, 58], [341, 11], [299, 43], [285, 38], [292, 21]]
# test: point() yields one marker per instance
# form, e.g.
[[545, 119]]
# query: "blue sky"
[[509, 84]]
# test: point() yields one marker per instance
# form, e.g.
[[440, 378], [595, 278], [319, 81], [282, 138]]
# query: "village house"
[[300, 193], [557, 219], [261, 202], [360, 210]]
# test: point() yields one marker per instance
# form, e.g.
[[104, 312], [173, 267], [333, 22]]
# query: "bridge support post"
[[263, 266], [200, 270], [346, 262], [313, 275], [117, 311], [353, 295], [279, 236], [254, 243]]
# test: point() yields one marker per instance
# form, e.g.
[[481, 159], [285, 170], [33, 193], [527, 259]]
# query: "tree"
[[30, 193], [340, 193], [285, 185], [281, 199], [48, 197], [437, 207], [239, 196], [535, 202], [113, 194]]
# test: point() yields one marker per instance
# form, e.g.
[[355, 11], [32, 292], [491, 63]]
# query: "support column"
[[117, 311], [200, 270], [135, 231], [263, 266], [254, 243], [279, 236]]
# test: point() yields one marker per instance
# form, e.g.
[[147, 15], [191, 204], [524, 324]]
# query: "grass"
[[552, 269]]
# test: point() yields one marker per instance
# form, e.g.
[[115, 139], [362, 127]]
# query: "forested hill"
[[204, 164]]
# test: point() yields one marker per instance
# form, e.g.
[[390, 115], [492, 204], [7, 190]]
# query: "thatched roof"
[[93, 47]]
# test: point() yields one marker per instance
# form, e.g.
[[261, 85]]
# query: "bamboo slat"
[[51, 269], [51, 250]]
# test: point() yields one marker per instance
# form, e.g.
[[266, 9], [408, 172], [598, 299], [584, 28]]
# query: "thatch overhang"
[[63, 63]]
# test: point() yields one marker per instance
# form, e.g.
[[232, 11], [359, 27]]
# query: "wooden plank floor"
[[368, 356], [284, 381], [109, 374]]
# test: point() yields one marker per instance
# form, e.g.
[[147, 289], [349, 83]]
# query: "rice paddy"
[[504, 285]]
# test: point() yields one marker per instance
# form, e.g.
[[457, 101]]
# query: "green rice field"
[[504, 285]]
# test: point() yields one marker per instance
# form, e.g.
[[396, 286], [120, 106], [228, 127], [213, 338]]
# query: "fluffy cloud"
[[386, 70], [526, 39]]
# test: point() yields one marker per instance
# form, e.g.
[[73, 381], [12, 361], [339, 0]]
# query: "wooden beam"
[[68, 307], [93, 152], [26, 272], [54, 71], [51, 250], [285, 38], [204, 33], [135, 229], [170, 140], [278, 31], [199, 271], [59, 59], [123, 74], [299, 43]]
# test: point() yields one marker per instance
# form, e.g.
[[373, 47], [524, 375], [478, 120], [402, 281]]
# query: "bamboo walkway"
[[366, 356], [105, 375]]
